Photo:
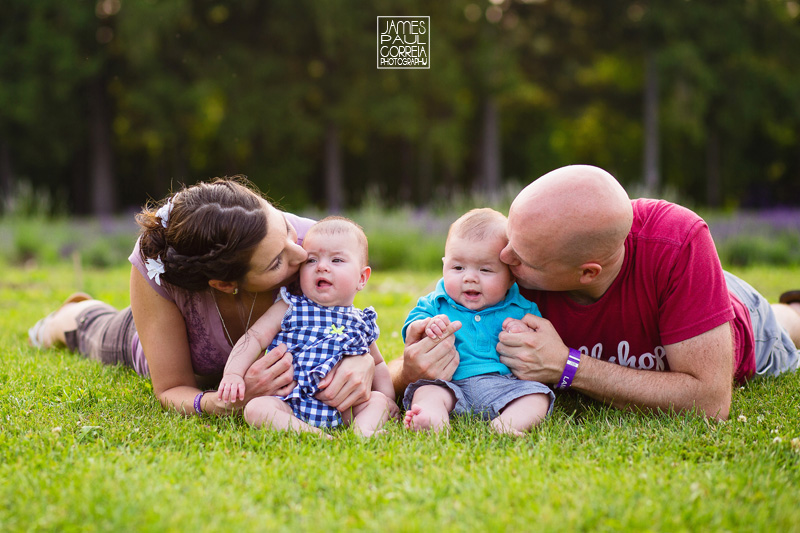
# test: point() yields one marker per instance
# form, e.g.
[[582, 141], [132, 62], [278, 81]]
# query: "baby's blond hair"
[[479, 224], [335, 225]]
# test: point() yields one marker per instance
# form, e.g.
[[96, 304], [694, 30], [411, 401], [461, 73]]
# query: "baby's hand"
[[515, 326], [436, 326], [231, 388]]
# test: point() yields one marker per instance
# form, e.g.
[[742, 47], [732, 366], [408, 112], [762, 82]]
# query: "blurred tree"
[[118, 100], [580, 98], [164, 103], [729, 79], [652, 157], [49, 57]]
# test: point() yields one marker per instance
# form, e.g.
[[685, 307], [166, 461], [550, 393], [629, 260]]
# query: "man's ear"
[[365, 273], [223, 286], [589, 272]]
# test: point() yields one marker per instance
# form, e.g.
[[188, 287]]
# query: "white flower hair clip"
[[164, 212], [155, 267]]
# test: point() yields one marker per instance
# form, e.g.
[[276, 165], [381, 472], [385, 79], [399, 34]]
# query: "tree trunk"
[[101, 161], [406, 188], [652, 175], [490, 149], [713, 172], [334, 189], [424, 187], [6, 172]]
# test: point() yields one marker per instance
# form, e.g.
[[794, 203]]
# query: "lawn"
[[85, 447]]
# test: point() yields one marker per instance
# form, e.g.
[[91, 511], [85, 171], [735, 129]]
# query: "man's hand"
[[426, 358], [532, 349], [436, 326]]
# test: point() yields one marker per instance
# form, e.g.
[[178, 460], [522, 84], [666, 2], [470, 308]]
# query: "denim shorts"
[[485, 395], [775, 351]]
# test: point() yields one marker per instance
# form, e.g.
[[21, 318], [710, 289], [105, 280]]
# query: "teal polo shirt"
[[476, 341]]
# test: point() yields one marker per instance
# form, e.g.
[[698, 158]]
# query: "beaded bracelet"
[[570, 368]]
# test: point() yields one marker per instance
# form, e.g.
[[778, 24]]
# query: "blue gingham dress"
[[317, 338]]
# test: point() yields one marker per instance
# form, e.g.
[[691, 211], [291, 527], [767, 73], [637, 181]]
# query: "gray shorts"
[[485, 395], [106, 335], [775, 351]]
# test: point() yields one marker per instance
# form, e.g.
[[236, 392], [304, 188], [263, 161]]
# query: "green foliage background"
[[191, 89]]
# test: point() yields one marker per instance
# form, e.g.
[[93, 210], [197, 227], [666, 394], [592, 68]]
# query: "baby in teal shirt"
[[478, 290]]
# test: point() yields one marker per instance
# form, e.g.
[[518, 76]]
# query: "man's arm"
[[700, 377]]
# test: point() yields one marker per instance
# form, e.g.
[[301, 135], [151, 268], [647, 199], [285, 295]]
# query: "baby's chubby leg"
[[275, 414], [522, 414], [368, 418], [430, 409]]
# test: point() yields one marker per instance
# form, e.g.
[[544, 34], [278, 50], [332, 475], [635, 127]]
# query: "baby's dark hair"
[[212, 232]]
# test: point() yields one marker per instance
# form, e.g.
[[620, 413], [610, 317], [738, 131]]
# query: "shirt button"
[[477, 318]]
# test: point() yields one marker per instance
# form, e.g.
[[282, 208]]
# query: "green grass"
[[86, 447]]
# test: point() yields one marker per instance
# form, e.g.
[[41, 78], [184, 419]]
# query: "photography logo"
[[404, 42]]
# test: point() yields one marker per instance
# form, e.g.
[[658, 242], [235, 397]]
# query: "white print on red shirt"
[[646, 361]]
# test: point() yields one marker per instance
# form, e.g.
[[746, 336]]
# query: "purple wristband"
[[570, 368], [197, 406]]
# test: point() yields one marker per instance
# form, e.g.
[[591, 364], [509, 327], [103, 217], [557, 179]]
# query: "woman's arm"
[[162, 333]]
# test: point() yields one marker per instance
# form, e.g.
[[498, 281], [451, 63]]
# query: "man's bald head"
[[577, 213]]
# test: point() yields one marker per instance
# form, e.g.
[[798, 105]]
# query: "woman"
[[208, 262]]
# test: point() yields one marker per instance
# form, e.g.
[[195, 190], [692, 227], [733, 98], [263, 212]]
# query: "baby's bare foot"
[[417, 419]]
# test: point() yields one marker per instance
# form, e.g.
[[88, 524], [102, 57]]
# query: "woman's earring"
[[236, 291]]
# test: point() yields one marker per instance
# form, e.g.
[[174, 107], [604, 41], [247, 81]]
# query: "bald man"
[[638, 311]]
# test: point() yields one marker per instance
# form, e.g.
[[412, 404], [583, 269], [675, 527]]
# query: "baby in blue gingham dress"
[[319, 327], [318, 337]]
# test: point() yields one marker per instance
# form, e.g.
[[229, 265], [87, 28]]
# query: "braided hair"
[[212, 232]]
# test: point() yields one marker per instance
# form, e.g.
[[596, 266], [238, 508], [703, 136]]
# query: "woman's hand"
[[348, 384], [271, 375]]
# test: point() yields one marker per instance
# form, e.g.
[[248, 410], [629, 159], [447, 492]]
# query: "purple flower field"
[[766, 223], [769, 236]]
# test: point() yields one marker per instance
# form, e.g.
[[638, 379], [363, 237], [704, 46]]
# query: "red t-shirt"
[[670, 288]]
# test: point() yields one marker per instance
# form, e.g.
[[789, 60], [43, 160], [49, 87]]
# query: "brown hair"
[[479, 224], [212, 232], [335, 225]]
